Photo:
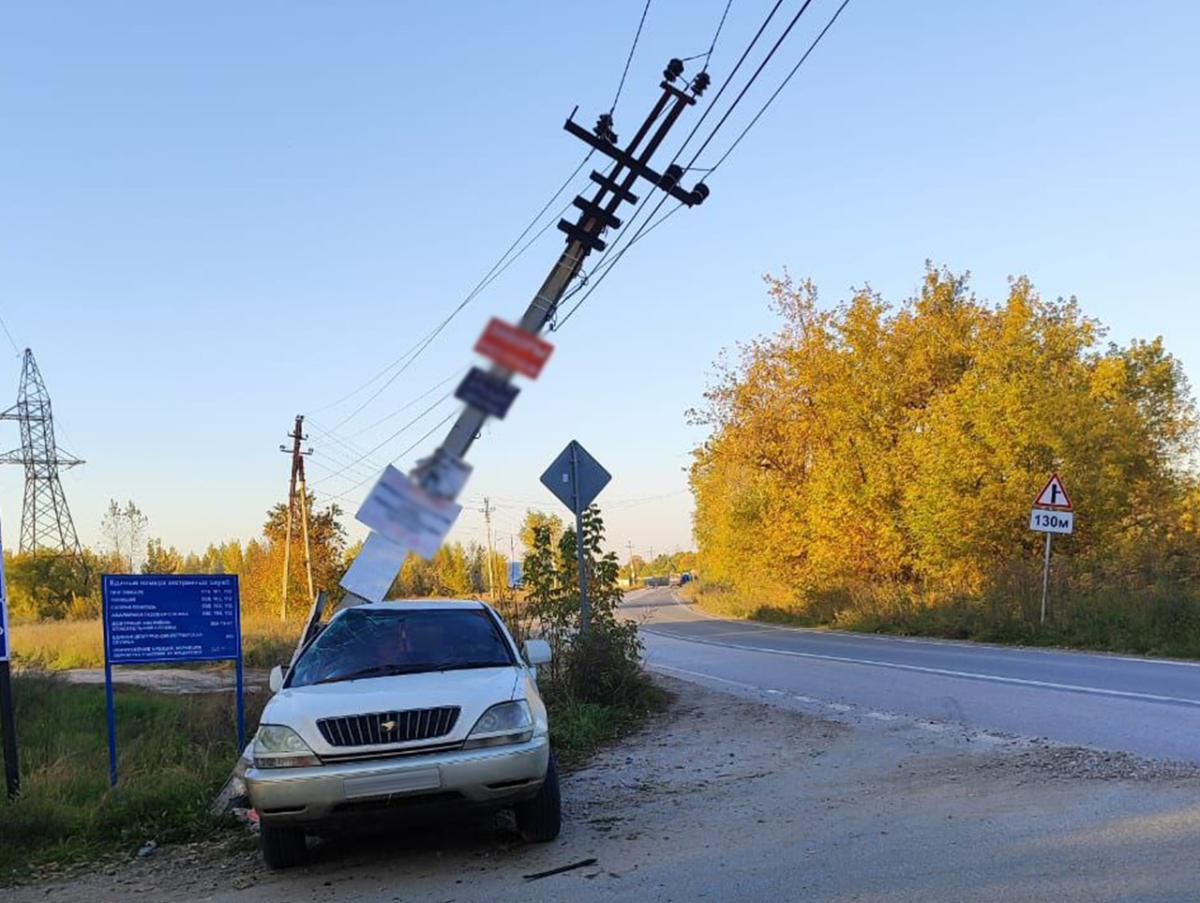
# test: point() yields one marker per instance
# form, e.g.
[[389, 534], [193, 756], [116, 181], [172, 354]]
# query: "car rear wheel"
[[540, 819], [282, 847]]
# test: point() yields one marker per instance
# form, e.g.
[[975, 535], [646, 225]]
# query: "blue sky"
[[218, 215]]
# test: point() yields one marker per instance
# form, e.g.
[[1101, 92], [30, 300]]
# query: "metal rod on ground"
[[1046, 577], [8, 722], [584, 614]]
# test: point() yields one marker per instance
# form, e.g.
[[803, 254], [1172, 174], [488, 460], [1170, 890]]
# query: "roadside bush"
[[595, 685]]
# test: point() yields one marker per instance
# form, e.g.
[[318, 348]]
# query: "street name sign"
[[514, 348], [406, 514], [486, 392], [169, 619]]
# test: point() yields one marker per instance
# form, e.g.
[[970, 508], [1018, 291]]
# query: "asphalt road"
[[1147, 707]]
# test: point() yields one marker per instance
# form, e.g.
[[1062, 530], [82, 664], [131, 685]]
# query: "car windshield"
[[374, 643]]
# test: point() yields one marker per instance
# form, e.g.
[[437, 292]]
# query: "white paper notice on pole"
[[1047, 521], [406, 514], [442, 474], [371, 573]]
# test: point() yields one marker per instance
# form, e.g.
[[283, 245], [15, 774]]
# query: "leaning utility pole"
[[597, 215], [422, 508], [46, 524], [297, 436]]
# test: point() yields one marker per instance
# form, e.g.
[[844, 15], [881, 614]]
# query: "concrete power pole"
[[632, 575], [297, 436]]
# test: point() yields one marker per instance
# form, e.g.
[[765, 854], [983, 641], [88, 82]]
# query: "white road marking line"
[[654, 666], [942, 672]]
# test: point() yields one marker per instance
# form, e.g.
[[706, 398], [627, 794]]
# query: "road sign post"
[[576, 478], [1052, 513], [8, 720], [168, 619]]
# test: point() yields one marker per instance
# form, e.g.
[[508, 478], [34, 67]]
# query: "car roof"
[[418, 605]]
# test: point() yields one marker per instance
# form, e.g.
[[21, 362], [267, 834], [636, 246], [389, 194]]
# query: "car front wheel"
[[540, 819], [282, 847]]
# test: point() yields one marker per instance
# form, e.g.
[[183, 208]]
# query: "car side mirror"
[[275, 681], [537, 652]]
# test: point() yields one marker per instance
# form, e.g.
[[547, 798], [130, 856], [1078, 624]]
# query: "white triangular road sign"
[[1053, 495]]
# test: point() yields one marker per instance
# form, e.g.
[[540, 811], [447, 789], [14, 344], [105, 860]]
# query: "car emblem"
[[388, 725]]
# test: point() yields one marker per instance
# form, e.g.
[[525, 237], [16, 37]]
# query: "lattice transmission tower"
[[46, 524]]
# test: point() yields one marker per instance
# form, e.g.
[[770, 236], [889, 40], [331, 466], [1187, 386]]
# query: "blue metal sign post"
[[8, 719], [170, 618]]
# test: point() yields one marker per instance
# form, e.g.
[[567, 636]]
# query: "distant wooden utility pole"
[[297, 436], [491, 552]]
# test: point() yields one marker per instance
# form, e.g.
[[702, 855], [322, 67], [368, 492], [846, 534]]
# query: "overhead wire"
[[629, 58], [642, 229], [502, 263], [11, 340]]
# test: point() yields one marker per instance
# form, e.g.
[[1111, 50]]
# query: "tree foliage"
[[868, 445]]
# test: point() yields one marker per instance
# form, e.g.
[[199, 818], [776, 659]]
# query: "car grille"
[[388, 727]]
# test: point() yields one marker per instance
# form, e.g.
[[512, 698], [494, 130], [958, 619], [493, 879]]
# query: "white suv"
[[403, 708]]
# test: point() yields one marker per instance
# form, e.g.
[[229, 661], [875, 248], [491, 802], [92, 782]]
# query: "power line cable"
[[711, 47], [783, 84], [11, 340], [391, 437], [629, 59], [502, 263]]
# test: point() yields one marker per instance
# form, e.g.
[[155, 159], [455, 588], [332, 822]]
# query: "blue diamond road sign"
[[482, 390], [575, 477]]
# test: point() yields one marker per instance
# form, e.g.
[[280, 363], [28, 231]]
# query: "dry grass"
[[59, 645]]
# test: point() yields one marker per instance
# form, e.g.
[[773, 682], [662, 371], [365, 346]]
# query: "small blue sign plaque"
[[482, 390]]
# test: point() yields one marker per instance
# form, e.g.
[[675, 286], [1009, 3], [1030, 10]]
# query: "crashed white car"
[[407, 708]]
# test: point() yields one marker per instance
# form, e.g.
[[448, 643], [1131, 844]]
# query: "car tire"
[[540, 819], [282, 847]]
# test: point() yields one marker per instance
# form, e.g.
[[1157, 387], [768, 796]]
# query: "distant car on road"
[[411, 709]]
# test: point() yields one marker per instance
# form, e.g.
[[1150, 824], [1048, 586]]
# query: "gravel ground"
[[728, 798]]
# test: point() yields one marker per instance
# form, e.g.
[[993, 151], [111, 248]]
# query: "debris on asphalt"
[[147, 849], [582, 863]]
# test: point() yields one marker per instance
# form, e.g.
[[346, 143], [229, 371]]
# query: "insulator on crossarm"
[[699, 193], [671, 177], [604, 128], [700, 83], [674, 70]]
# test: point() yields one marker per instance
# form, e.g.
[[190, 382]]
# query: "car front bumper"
[[415, 784]]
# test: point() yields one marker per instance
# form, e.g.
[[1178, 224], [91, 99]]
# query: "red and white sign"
[[514, 348], [1053, 496]]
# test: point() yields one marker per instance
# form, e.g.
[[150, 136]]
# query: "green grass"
[[579, 729], [175, 752]]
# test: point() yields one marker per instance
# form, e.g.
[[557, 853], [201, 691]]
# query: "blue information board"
[[170, 618], [159, 618]]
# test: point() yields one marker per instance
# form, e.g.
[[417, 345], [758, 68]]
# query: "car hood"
[[472, 690]]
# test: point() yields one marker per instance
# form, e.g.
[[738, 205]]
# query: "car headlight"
[[278, 746], [506, 722]]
